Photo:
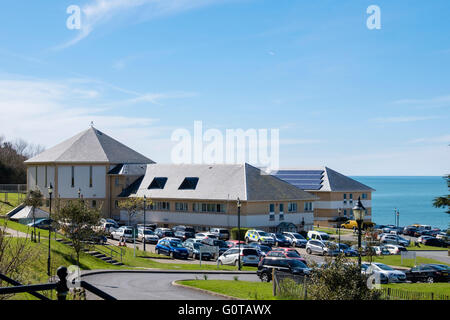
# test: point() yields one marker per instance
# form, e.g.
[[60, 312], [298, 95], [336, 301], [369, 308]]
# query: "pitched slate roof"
[[320, 179], [217, 182], [90, 146]]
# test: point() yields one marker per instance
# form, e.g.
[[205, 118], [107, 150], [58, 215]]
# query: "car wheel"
[[264, 277], [158, 251], [308, 251], [430, 279], [246, 240], [171, 255]]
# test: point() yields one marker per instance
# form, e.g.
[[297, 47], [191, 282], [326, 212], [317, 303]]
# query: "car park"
[[318, 235], [386, 273], [381, 251], [248, 256], [258, 236], [205, 235], [287, 254], [347, 250], [192, 240], [262, 249], [297, 239], [234, 243], [394, 239], [164, 232], [429, 273], [194, 251], [281, 240], [422, 238], [409, 231], [151, 226], [183, 232], [125, 232], [220, 233], [322, 248], [171, 248], [395, 249], [290, 266], [148, 235], [215, 243]]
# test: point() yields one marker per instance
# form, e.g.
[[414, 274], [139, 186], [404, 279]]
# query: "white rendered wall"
[[41, 185], [81, 181]]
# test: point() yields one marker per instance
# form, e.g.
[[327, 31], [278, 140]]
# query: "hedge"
[[234, 233]]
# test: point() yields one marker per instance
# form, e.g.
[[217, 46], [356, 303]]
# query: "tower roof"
[[89, 146]]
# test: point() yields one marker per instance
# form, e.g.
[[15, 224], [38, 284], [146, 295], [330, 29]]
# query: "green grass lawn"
[[424, 247], [436, 288], [236, 288], [9, 201], [332, 231], [26, 229]]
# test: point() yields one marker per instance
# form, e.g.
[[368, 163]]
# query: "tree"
[[133, 206], [340, 279], [34, 199], [443, 202], [77, 221]]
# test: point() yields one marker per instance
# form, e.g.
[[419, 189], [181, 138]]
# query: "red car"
[[234, 243], [288, 253]]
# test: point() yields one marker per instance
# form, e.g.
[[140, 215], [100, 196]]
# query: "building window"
[[116, 204], [181, 206], [116, 181], [292, 207], [196, 207], [271, 208], [94, 203], [204, 207], [281, 207], [90, 176], [345, 196], [345, 212], [364, 195], [308, 206], [73, 177]]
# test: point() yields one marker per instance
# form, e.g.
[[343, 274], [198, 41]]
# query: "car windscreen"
[[263, 234], [298, 236], [297, 264], [324, 236], [249, 252], [127, 231], [224, 231], [148, 232], [220, 244], [168, 233], [176, 244], [190, 230], [197, 245], [280, 236], [383, 266], [292, 254]]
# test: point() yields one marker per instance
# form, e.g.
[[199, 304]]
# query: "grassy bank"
[[247, 290], [9, 201]]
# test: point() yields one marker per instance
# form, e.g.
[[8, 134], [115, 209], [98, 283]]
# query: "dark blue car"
[[172, 248], [347, 250], [281, 240]]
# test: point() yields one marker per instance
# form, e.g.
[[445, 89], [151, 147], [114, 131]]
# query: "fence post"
[[61, 286], [305, 290], [274, 284], [432, 296]]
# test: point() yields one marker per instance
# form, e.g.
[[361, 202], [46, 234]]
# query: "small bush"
[[234, 233]]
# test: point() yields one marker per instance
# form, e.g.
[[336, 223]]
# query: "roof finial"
[[92, 124]]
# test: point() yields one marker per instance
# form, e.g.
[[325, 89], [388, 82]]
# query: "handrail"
[[16, 283], [96, 291], [111, 249]]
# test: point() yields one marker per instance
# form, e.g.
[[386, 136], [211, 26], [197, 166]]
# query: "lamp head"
[[50, 189], [359, 210]]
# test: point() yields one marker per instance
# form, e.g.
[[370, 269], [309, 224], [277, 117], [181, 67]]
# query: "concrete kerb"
[[174, 283], [95, 272]]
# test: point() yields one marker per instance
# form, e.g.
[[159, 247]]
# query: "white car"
[[297, 240], [422, 238], [125, 232], [148, 235], [205, 235], [249, 256], [380, 250], [395, 249], [386, 273]]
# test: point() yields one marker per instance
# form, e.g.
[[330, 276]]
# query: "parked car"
[[394, 239], [381, 251], [125, 231], [249, 256], [220, 233], [98, 239], [164, 232], [107, 227], [205, 235], [297, 240], [287, 254], [395, 249], [291, 266], [215, 243], [318, 235], [422, 238], [183, 232], [322, 248], [258, 236], [111, 221], [43, 223], [171, 248], [429, 273], [262, 249], [151, 226], [386, 273], [194, 251], [280, 240], [409, 231], [234, 243], [347, 250], [434, 242], [192, 240], [442, 236], [148, 235]]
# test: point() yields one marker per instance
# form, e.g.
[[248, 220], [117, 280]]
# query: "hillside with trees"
[[12, 156]]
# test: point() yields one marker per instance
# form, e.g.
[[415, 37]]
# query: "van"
[[318, 235], [352, 224]]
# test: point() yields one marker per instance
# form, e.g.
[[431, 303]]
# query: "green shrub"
[[234, 233]]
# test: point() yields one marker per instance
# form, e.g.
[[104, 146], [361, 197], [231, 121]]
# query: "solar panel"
[[298, 176], [302, 179], [298, 172]]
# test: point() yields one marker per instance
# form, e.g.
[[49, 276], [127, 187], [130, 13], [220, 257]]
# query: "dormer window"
[[158, 183], [189, 183]]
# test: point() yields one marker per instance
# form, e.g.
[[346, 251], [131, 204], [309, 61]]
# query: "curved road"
[[154, 286]]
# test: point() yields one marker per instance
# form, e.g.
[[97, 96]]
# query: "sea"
[[412, 196]]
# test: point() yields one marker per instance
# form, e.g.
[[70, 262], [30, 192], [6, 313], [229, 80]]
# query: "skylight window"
[[158, 183], [189, 183]]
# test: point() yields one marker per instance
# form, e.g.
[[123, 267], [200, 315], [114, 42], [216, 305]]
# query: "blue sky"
[[363, 102]]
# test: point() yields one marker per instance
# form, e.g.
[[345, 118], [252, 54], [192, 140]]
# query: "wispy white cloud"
[[97, 13], [299, 141], [434, 102], [404, 119], [439, 139]]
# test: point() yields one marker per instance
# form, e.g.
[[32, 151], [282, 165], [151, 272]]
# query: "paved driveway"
[[154, 286]]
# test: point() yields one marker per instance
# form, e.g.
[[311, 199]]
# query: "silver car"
[[249, 256], [394, 239], [322, 248]]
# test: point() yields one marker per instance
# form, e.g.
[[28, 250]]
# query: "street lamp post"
[[339, 227], [239, 231], [79, 193], [359, 212], [50, 192], [143, 235]]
